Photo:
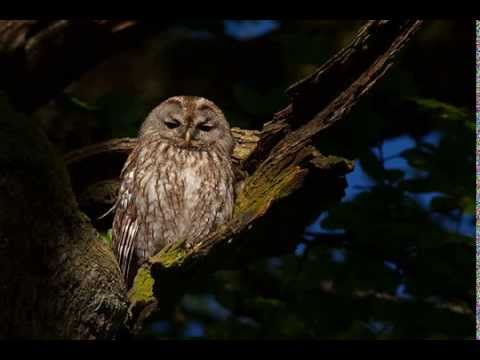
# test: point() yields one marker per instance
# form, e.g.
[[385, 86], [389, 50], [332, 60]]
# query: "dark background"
[[394, 259]]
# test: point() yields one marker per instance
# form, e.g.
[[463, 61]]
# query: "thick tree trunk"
[[58, 280]]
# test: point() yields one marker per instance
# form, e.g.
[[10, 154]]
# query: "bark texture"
[[58, 279]]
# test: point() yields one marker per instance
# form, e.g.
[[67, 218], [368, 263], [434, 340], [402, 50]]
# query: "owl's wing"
[[125, 226]]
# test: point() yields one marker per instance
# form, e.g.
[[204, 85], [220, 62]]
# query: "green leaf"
[[446, 115], [106, 237], [442, 109], [82, 104]]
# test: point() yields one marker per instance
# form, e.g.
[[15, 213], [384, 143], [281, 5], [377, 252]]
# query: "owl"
[[177, 183]]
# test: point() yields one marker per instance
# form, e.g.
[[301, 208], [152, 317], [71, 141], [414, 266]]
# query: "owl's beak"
[[188, 136]]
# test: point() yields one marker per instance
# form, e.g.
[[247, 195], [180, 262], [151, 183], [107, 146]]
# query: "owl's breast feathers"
[[169, 194]]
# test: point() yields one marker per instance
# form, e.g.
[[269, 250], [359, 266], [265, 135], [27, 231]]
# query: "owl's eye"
[[205, 127], [172, 123]]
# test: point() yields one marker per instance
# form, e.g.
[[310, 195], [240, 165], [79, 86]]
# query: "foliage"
[[106, 237]]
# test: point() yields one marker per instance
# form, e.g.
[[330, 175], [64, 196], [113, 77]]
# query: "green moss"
[[171, 256], [338, 164], [292, 181], [243, 152], [259, 192], [142, 289]]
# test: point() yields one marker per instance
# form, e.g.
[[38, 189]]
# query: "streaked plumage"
[[177, 184]]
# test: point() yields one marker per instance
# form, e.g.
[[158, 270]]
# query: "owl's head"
[[189, 122]]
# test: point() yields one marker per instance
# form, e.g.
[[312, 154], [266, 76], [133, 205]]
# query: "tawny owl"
[[177, 184]]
